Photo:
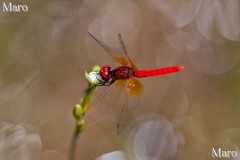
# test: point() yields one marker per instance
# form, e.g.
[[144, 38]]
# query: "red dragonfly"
[[126, 72]]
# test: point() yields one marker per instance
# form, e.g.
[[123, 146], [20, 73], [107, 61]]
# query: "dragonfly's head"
[[104, 72]]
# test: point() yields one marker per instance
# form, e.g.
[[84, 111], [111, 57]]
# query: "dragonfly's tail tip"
[[181, 68]]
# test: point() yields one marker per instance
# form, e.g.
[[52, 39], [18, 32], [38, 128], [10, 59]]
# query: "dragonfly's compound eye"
[[104, 72]]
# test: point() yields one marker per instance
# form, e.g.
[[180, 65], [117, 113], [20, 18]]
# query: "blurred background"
[[182, 116]]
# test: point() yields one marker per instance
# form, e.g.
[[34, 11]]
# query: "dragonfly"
[[126, 73]]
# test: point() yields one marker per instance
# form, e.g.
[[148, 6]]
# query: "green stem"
[[73, 146], [78, 112]]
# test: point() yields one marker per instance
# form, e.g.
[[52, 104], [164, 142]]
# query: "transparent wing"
[[126, 114], [134, 90], [103, 98], [114, 53], [130, 62], [107, 96]]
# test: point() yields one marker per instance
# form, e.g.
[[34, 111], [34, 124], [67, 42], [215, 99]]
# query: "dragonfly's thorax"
[[123, 72]]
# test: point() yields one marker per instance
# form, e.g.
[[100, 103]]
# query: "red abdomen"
[[157, 72]]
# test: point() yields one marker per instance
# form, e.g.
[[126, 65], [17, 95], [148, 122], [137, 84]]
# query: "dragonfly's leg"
[[112, 81], [107, 83], [103, 84]]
